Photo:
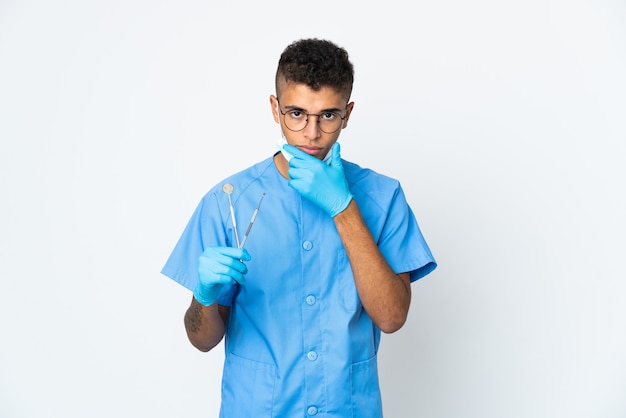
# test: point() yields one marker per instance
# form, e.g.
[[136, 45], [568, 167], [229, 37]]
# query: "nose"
[[312, 128]]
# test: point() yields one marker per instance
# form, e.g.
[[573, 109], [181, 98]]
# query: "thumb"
[[335, 161]]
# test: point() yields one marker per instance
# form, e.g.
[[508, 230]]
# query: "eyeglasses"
[[296, 120]]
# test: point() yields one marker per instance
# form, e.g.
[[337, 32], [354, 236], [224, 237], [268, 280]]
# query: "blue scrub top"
[[298, 342]]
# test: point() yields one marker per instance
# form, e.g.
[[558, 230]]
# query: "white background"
[[504, 121]]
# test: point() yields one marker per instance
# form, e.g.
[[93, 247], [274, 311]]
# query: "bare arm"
[[386, 296], [205, 324]]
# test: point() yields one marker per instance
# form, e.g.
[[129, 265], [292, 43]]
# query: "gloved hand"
[[325, 185], [218, 266]]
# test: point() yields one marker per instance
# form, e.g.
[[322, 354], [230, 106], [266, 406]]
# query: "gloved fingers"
[[302, 157], [230, 277], [213, 273], [222, 265], [305, 161], [336, 156], [310, 165], [214, 279], [302, 186], [232, 252], [216, 263], [298, 153], [303, 174]]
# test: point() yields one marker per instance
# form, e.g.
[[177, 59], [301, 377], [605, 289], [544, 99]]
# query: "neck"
[[281, 165]]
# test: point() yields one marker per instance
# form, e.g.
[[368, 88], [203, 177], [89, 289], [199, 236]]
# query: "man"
[[327, 264]]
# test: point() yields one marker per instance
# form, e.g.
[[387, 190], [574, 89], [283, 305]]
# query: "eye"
[[295, 114], [329, 116]]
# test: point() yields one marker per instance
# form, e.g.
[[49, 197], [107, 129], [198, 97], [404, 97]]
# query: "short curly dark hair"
[[317, 63]]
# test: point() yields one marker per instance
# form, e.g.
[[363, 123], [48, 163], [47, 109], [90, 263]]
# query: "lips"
[[312, 150]]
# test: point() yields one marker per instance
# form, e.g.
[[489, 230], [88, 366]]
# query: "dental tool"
[[228, 189], [245, 236]]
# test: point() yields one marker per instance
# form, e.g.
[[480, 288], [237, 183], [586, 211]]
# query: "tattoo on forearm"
[[193, 317]]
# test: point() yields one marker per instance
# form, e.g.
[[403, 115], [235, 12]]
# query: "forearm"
[[385, 296], [205, 325]]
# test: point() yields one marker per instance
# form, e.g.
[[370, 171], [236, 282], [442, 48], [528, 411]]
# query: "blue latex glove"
[[218, 266], [325, 185]]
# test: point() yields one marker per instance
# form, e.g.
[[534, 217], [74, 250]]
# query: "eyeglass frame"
[[311, 114]]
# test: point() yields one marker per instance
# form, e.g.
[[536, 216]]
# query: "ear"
[[349, 108], [274, 107]]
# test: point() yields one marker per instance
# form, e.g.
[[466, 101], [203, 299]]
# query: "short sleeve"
[[401, 241]]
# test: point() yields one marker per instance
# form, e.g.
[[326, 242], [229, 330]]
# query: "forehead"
[[303, 97]]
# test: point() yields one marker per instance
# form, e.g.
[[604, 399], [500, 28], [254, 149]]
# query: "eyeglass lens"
[[328, 122]]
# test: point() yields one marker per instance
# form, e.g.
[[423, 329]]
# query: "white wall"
[[505, 122]]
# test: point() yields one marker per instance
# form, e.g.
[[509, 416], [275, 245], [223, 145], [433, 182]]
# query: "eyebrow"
[[332, 109]]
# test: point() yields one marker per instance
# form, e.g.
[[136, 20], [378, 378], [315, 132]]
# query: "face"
[[311, 139]]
